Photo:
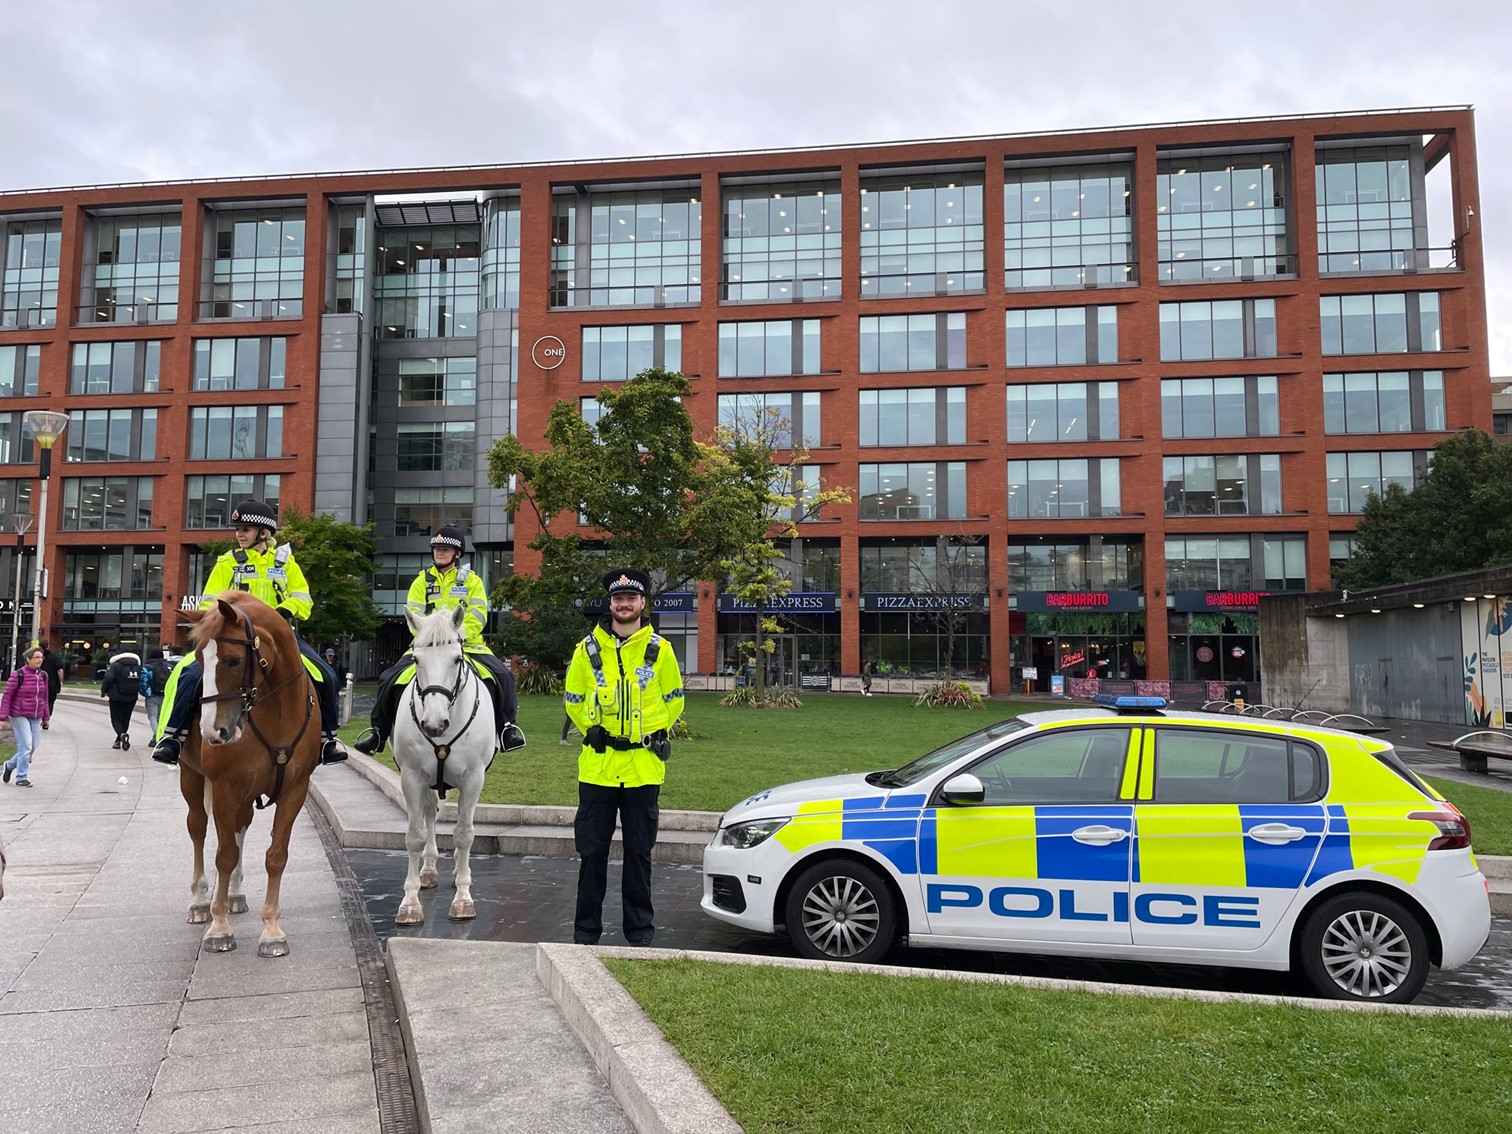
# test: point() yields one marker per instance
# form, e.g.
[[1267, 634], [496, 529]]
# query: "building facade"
[[1093, 393]]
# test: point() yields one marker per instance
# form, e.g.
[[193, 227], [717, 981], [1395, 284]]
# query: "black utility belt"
[[621, 744]]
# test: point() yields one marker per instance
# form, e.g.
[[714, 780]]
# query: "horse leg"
[[420, 838], [238, 896], [218, 935], [430, 876], [462, 907], [273, 943], [195, 789]]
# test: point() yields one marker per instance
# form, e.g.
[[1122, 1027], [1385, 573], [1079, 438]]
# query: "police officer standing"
[[624, 693]]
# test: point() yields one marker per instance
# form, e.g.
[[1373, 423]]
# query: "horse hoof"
[[198, 915], [274, 947], [410, 915], [462, 911], [238, 903], [429, 879], [221, 944]]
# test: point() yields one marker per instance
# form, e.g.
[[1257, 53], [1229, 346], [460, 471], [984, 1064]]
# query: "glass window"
[[1354, 477], [19, 367], [1062, 336], [913, 491], [436, 446], [1222, 216], [428, 282], [235, 432], [257, 270], [1224, 485], [913, 342], [131, 269], [1395, 401], [116, 503], [1285, 562], [923, 416], [1209, 563], [1390, 323], [776, 417], [1219, 328], [1068, 765], [208, 500], [1063, 411], [421, 510], [1068, 225], [617, 354], [770, 349], [431, 382], [636, 248], [111, 435], [781, 241], [1209, 766], [1220, 407], [921, 234], [1066, 489], [29, 273], [240, 364], [1367, 197], [501, 252]]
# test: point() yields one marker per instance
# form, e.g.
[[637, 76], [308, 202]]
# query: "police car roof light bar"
[[1129, 704]]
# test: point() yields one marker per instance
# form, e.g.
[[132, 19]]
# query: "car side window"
[[1072, 765], [1213, 766]]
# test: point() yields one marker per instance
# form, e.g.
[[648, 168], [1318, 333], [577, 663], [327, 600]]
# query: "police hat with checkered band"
[[628, 579], [255, 513], [448, 536]]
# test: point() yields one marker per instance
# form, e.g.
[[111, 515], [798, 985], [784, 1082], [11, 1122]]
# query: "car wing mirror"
[[963, 788]]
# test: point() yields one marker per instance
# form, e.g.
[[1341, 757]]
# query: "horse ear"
[[414, 622], [227, 611], [459, 615]]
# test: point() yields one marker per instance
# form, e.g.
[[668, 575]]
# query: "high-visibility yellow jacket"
[[271, 575], [435, 589], [629, 699]]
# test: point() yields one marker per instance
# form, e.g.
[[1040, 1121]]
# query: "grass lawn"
[[805, 1052], [738, 752]]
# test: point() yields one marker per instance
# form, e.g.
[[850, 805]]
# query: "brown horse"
[[254, 677]]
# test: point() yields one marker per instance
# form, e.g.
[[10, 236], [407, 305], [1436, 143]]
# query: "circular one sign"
[[548, 352], [1204, 654]]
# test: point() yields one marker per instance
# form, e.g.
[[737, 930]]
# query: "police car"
[[1121, 831]]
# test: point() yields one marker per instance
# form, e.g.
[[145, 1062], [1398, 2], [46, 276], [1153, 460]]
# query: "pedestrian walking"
[[154, 679], [624, 693], [121, 686], [866, 678], [24, 705], [52, 665]]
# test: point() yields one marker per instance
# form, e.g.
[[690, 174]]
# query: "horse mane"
[[212, 623], [436, 630]]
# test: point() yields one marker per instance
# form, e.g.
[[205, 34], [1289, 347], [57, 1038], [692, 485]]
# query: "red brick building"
[[1093, 391]]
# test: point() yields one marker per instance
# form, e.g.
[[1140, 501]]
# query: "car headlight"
[[753, 833]]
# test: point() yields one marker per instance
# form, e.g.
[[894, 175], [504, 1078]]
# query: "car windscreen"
[[916, 770]]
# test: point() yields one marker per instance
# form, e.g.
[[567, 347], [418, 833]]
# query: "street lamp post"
[[20, 523], [46, 427]]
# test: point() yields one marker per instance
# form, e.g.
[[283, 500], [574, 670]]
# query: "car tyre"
[[1365, 946], [839, 910]]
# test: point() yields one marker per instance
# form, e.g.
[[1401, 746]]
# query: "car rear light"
[[1454, 828]]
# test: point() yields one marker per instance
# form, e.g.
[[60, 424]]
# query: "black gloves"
[[596, 738], [288, 615]]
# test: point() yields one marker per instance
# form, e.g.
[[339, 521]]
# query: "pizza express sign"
[[797, 602], [925, 602]]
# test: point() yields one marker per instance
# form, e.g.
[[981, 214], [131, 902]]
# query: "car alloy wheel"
[[841, 911], [1365, 947]]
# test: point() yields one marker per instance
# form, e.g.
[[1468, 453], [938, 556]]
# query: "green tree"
[[1457, 518], [767, 496], [661, 501], [338, 561]]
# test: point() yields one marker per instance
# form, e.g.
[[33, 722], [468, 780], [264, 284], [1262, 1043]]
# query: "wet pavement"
[[530, 899]]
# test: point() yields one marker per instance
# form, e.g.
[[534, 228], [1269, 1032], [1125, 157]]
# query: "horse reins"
[[251, 697], [442, 751]]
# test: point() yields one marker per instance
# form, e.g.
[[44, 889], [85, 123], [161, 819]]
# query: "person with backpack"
[[122, 686], [624, 693], [154, 680]]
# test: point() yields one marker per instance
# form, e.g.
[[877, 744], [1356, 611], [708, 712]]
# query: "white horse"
[[443, 738]]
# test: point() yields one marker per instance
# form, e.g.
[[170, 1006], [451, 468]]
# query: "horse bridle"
[[442, 751], [252, 695]]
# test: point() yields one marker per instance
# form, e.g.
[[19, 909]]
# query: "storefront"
[[1077, 634], [806, 647], [925, 635], [1215, 635]]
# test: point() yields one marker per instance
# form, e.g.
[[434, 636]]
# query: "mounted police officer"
[[445, 585], [271, 574], [624, 692]]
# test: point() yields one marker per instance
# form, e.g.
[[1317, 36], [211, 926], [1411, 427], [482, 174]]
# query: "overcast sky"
[[106, 92]]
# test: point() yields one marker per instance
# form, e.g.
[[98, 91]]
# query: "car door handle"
[[1098, 835], [1276, 833]]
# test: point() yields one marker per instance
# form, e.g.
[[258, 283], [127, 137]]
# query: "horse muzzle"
[[222, 735]]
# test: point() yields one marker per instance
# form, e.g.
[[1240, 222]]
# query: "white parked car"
[[1121, 832]]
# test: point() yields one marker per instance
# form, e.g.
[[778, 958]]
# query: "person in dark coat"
[[122, 686], [52, 665]]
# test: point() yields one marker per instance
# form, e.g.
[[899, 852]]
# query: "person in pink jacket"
[[26, 707]]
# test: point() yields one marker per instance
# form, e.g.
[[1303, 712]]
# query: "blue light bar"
[[1127, 703]]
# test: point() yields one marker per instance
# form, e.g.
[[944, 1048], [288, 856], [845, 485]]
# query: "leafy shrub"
[[783, 697], [742, 697], [681, 730], [950, 695], [534, 678]]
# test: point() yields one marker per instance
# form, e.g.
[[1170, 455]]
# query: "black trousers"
[[120, 715], [638, 811]]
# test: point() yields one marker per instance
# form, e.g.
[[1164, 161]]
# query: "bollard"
[[346, 700]]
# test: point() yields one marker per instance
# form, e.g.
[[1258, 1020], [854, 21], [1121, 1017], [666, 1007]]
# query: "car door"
[[1046, 855], [1225, 834]]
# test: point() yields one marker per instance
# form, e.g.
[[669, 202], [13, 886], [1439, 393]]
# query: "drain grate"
[[397, 1111]]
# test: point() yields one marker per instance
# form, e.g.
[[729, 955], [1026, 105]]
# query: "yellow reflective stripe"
[[1131, 767], [1191, 844], [1147, 766], [988, 842], [1385, 840], [1356, 774], [818, 821]]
